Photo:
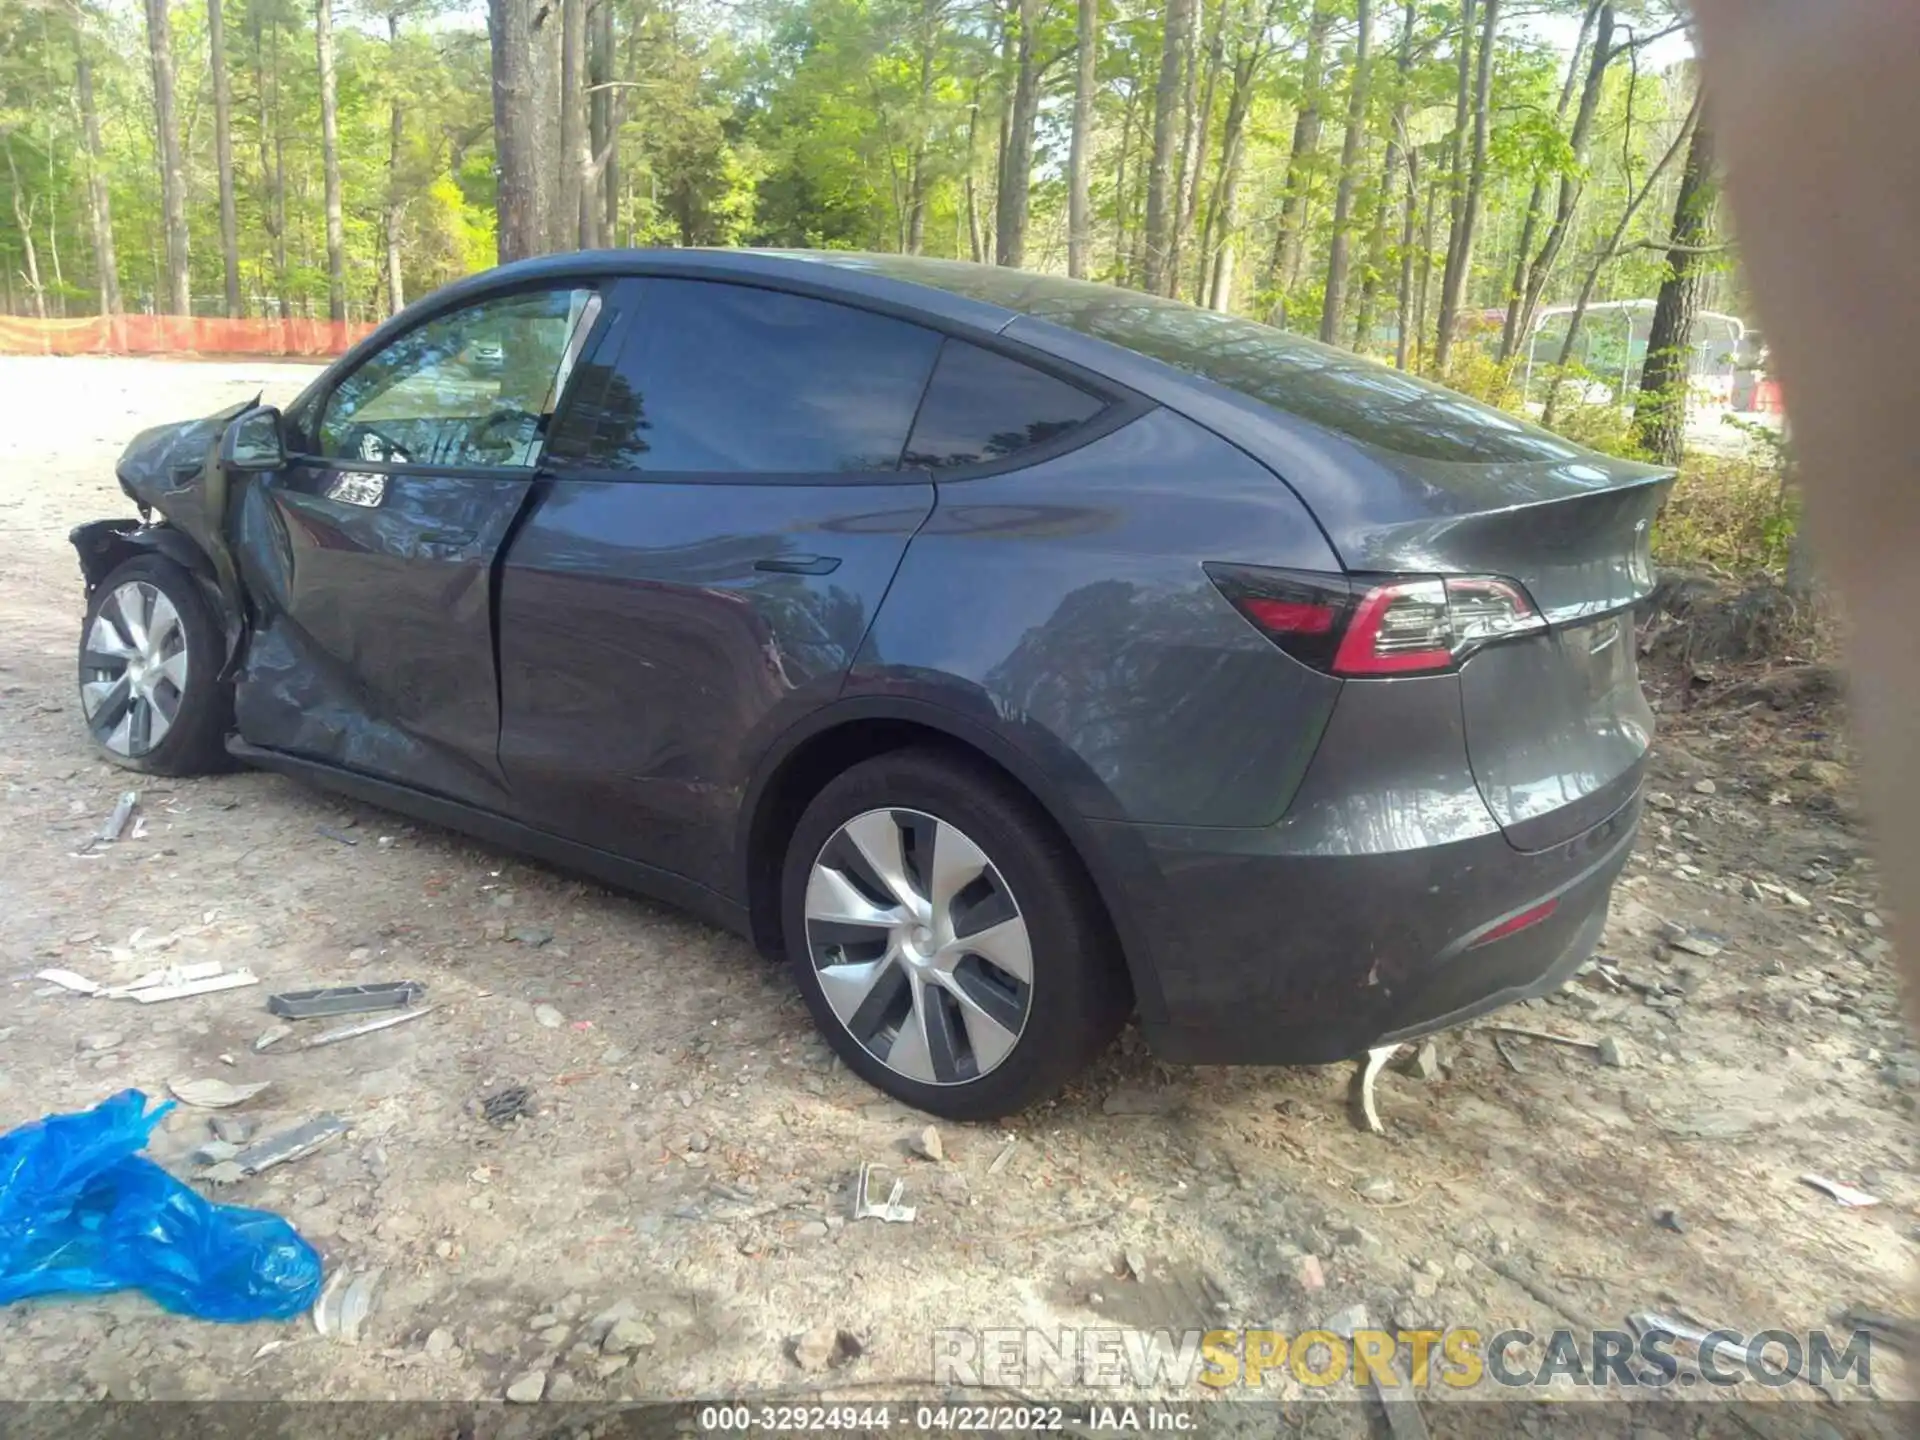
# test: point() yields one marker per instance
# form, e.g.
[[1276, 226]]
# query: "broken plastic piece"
[[288, 1145], [116, 823], [344, 1305], [1360, 1090], [68, 980], [365, 1027], [214, 1094], [345, 999], [892, 1211], [1845, 1194], [82, 1212]]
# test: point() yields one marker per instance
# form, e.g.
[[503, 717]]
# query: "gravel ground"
[[691, 1147]]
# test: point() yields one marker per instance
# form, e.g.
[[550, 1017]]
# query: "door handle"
[[799, 564]]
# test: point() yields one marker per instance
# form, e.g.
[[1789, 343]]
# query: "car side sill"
[[495, 829]]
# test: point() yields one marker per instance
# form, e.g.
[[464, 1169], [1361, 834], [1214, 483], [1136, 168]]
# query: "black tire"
[[1079, 995], [194, 741]]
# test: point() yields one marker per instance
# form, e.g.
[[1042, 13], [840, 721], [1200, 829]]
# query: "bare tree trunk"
[[396, 202], [1660, 414], [517, 219], [99, 200], [557, 225], [23, 217], [1284, 267], [1409, 219], [1162, 196], [1223, 214], [1457, 145], [1016, 167], [1389, 181], [266, 84], [1080, 148], [576, 209], [330, 159], [173, 187], [1523, 266], [919, 185], [1608, 251], [1426, 272], [223, 154], [1337, 260], [975, 240], [1125, 271], [603, 121], [1453, 285], [1193, 151]]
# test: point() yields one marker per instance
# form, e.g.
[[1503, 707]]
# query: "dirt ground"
[[693, 1147]]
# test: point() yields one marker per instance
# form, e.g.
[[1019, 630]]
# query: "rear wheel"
[[946, 938], [150, 660]]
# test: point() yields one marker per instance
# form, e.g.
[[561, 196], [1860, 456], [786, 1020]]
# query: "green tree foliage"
[[883, 125]]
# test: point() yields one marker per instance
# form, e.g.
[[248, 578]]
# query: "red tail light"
[[1525, 920], [1397, 627]]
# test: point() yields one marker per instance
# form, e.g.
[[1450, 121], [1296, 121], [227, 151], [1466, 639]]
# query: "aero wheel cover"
[[133, 669], [919, 946]]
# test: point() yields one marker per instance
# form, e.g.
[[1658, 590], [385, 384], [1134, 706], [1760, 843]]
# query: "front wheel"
[[151, 654], [946, 938]]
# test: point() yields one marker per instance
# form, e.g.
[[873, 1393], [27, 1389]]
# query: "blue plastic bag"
[[81, 1211]]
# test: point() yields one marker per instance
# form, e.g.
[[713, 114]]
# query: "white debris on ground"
[[663, 1206]]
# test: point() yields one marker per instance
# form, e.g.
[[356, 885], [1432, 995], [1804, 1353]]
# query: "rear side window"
[[730, 379], [981, 407]]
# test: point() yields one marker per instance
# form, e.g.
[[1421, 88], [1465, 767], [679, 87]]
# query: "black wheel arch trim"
[[1025, 771], [105, 545]]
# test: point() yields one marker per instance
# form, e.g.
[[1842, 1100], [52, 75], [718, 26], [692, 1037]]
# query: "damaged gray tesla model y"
[[1007, 654]]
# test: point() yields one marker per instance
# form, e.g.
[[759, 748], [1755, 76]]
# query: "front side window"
[[731, 379], [474, 388], [982, 407]]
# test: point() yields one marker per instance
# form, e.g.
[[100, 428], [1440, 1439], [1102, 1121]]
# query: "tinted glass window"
[[981, 406], [1332, 388], [471, 388], [732, 379]]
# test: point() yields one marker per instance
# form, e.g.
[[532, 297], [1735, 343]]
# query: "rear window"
[[982, 407], [1335, 389]]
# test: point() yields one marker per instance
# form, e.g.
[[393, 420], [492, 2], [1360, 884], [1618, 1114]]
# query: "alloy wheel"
[[919, 946], [133, 669]]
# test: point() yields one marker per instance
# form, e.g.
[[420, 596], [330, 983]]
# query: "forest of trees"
[[1392, 175]]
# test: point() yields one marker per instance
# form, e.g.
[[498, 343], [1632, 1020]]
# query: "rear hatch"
[[1407, 479]]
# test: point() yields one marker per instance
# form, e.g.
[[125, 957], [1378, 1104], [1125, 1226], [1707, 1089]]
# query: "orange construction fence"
[[175, 335]]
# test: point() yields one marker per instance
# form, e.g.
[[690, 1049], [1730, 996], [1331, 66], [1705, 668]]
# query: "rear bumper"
[[1265, 955]]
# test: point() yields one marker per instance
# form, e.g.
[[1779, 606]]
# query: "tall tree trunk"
[[1404, 322], [1335, 300], [1126, 271], [223, 154], [1523, 266], [1457, 146], [1538, 267], [173, 185], [516, 199], [1660, 414], [1016, 168], [976, 241], [1080, 148], [266, 84], [99, 200], [1431, 214], [23, 218], [1223, 214], [1609, 250], [396, 202], [577, 211], [1193, 150], [1284, 267], [330, 159], [1453, 286], [1162, 196], [603, 122], [919, 180], [1389, 181]]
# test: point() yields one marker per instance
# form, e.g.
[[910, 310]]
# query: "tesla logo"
[[351, 487]]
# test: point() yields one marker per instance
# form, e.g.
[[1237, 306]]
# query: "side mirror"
[[252, 441]]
